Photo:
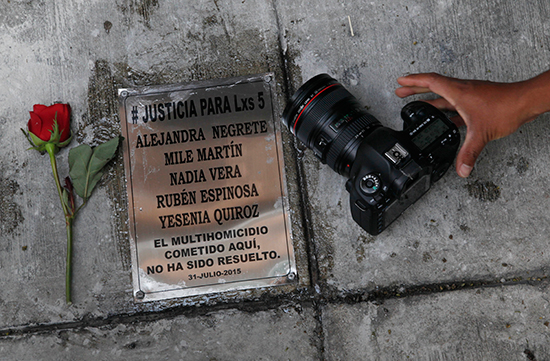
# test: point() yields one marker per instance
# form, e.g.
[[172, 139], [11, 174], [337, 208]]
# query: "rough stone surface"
[[500, 323], [285, 333], [462, 274], [83, 63], [463, 228]]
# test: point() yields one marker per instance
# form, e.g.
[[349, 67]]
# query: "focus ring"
[[319, 110], [352, 130]]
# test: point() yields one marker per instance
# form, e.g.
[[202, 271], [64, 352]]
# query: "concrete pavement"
[[461, 275]]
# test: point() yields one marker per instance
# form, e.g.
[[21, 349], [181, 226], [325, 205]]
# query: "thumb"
[[467, 156]]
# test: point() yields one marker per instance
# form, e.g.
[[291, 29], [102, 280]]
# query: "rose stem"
[[51, 149]]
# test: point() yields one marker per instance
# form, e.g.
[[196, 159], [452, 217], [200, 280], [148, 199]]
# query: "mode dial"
[[370, 184]]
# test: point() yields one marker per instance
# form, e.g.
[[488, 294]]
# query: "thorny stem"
[[69, 268], [50, 148]]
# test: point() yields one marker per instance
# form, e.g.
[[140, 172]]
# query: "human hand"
[[489, 110]]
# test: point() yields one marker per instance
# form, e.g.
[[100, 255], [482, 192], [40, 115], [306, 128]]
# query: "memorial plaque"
[[206, 188]]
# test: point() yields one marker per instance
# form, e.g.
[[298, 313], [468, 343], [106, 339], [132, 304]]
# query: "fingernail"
[[464, 170]]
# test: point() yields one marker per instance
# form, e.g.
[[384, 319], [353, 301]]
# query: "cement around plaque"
[[206, 188]]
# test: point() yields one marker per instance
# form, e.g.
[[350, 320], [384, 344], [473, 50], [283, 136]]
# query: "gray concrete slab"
[[81, 53], [488, 226], [286, 333], [498, 323], [464, 235]]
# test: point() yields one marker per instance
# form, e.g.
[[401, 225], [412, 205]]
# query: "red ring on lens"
[[312, 99]]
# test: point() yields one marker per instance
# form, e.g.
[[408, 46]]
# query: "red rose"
[[42, 120]]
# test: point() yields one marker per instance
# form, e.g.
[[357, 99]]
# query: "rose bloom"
[[42, 121]]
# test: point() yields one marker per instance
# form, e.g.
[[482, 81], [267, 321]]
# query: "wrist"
[[536, 96]]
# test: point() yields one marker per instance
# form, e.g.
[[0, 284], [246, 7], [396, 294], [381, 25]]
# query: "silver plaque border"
[[291, 277]]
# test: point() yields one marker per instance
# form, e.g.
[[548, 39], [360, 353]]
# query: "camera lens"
[[329, 120]]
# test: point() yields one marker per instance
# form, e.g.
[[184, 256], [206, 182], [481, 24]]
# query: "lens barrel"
[[329, 120]]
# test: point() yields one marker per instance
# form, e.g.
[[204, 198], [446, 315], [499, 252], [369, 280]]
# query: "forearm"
[[537, 94]]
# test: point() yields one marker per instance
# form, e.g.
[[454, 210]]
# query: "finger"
[[410, 90], [457, 119], [441, 104], [436, 83], [468, 154], [418, 80]]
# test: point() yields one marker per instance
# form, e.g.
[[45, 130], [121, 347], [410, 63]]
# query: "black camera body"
[[388, 170]]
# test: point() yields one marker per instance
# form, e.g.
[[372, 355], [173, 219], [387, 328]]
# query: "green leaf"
[[86, 164]]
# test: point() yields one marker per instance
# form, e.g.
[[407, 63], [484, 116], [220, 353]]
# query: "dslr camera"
[[387, 170]]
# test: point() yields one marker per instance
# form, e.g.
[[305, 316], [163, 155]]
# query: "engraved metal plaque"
[[206, 188]]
